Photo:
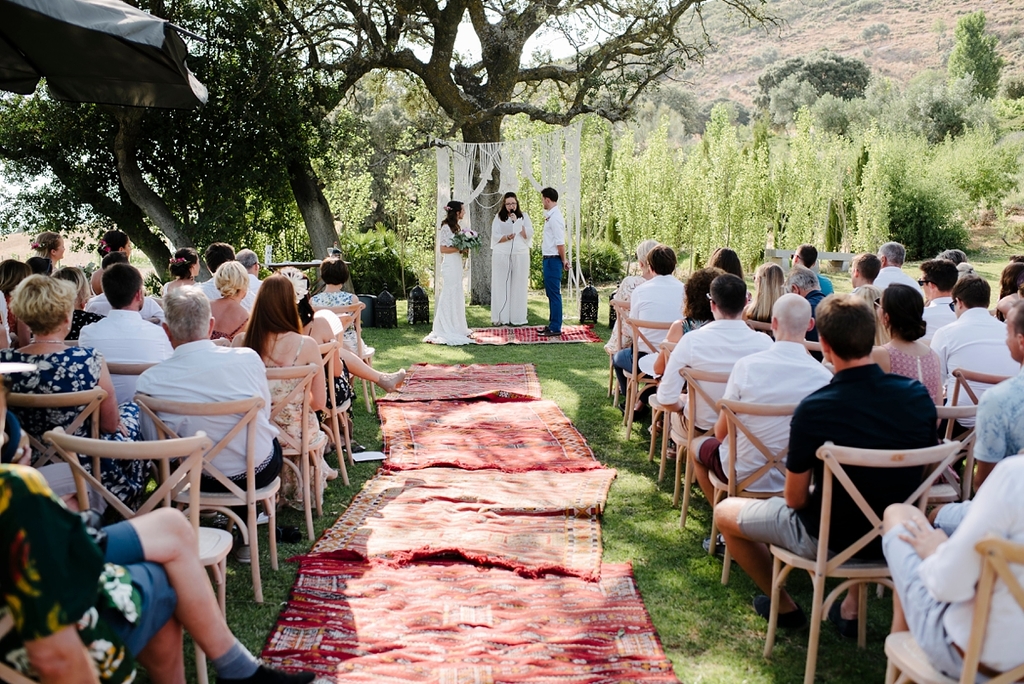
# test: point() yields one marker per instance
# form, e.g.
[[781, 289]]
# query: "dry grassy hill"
[[896, 38]]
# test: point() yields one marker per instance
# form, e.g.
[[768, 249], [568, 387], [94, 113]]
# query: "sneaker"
[[792, 620], [846, 628], [719, 546], [390, 382], [266, 675], [262, 518], [242, 554]]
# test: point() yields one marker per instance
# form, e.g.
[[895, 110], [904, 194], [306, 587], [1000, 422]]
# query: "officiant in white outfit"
[[511, 236]]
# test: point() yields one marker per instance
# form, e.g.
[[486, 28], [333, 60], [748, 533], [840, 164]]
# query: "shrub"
[[375, 262], [1013, 88], [601, 262], [875, 31]]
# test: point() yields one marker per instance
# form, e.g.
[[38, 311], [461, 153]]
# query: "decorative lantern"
[[611, 310], [385, 313], [419, 306], [589, 302]]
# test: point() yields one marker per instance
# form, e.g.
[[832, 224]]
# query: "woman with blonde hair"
[[769, 283], [228, 313], [80, 317], [873, 296], [49, 245], [625, 290]]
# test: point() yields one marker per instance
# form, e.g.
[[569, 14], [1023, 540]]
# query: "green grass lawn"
[[708, 630]]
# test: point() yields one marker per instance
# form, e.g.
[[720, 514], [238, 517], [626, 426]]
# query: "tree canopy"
[[824, 71], [974, 52]]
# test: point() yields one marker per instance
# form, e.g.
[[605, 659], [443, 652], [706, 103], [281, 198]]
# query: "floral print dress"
[[76, 369]]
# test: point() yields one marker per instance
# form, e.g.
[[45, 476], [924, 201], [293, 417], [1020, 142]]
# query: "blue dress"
[[76, 369]]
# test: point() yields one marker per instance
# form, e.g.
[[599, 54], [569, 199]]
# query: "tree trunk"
[[131, 221], [316, 212], [481, 214]]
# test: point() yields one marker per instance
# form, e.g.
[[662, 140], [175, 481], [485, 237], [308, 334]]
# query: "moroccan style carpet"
[[451, 623], [509, 436], [530, 335], [498, 382]]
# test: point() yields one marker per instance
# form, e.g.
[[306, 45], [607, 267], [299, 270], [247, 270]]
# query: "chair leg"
[[687, 485], [202, 677], [254, 548], [318, 481], [815, 626], [666, 436], [348, 446], [862, 615], [307, 490], [890, 672], [726, 566], [655, 415], [773, 612], [715, 498], [272, 541]]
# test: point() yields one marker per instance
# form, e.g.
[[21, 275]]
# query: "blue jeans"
[[553, 288]]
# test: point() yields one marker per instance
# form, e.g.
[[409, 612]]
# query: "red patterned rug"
[[529, 335], [509, 436], [449, 623], [396, 519], [496, 382]]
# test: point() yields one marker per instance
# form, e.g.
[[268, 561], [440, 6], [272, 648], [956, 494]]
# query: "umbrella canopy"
[[102, 51]]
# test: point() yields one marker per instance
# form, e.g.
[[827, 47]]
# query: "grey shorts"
[[773, 522], [923, 613]]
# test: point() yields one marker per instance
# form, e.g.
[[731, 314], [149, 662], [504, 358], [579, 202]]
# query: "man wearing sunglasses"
[[938, 276]]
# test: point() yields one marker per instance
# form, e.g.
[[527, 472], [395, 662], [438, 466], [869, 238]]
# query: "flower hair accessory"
[[103, 244], [447, 207], [179, 260], [36, 245], [298, 282]]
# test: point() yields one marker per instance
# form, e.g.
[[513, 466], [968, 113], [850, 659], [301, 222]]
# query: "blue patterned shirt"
[[1000, 421]]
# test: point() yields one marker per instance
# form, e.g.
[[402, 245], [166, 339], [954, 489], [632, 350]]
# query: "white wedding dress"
[[450, 310]]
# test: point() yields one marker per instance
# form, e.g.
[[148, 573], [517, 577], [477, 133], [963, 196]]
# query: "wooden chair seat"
[[906, 656]]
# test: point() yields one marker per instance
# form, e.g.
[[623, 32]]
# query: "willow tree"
[[619, 49]]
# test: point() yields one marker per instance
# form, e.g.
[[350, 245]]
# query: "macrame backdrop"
[[557, 157]]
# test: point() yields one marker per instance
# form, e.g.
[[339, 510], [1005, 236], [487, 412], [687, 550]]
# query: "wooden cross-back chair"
[[908, 663], [180, 463], [690, 439], [621, 313], [336, 423], [87, 401], [934, 459], [760, 327], [773, 460], [247, 411], [350, 314], [963, 386], [636, 379], [660, 418], [307, 470], [951, 489]]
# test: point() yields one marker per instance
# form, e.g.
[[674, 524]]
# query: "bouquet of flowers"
[[466, 240]]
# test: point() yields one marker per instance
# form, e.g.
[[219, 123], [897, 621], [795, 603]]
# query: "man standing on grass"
[[555, 261]]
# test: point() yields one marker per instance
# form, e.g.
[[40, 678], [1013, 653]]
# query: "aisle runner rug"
[[386, 529], [524, 335], [496, 382], [452, 623], [508, 436]]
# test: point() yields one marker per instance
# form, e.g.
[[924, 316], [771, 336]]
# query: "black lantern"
[[611, 310], [419, 306], [589, 302], [385, 314]]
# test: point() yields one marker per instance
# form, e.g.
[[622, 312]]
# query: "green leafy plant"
[[375, 262]]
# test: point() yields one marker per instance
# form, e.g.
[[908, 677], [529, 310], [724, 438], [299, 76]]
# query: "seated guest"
[[123, 337], [782, 374], [215, 255], [976, 341], [864, 269], [892, 255], [660, 299], [905, 354], [49, 245], [45, 304], [100, 305], [251, 263], [804, 282], [80, 318], [227, 374], [1000, 424], [727, 260], [957, 256], [938, 276], [873, 296], [40, 265], [862, 407], [936, 572], [769, 281], [965, 269], [716, 347], [86, 608], [12, 272], [184, 267], [807, 256], [113, 241], [229, 316], [1010, 283], [624, 291], [334, 273], [696, 313]]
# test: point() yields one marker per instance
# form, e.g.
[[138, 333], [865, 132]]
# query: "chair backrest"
[[951, 414], [188, 453], [697, 391], [964, 378], [637, 328], [997, 555], [247, 410], [812, 346], [129, 368], [760, 327], [937, 458], [732, 410], [621, 314], [87, 401], [300, 395], [350, 315]]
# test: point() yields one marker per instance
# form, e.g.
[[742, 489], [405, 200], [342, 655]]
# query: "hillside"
[[896, 38]]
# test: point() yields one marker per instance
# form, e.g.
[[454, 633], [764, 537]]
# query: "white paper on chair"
[[368, 456]]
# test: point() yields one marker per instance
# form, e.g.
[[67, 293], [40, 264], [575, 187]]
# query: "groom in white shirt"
[[555, 261]]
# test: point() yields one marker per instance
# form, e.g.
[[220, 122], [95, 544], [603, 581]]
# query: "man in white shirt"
[[936, 573], [782, 374], [100, 306], [216, 254], [715, 346], [864, 269], [123, 336], [554, 260], [200, 371], [660, 299], [892, 255], [251, 263], [938, 276], [976, 341]]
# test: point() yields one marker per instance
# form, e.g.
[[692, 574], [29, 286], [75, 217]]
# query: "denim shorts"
[[158, 596]]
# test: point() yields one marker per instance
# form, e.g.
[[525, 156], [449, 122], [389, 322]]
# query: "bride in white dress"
[[450, 315]]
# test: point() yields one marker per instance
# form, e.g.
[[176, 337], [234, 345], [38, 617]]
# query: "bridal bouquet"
[[465, 240]]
